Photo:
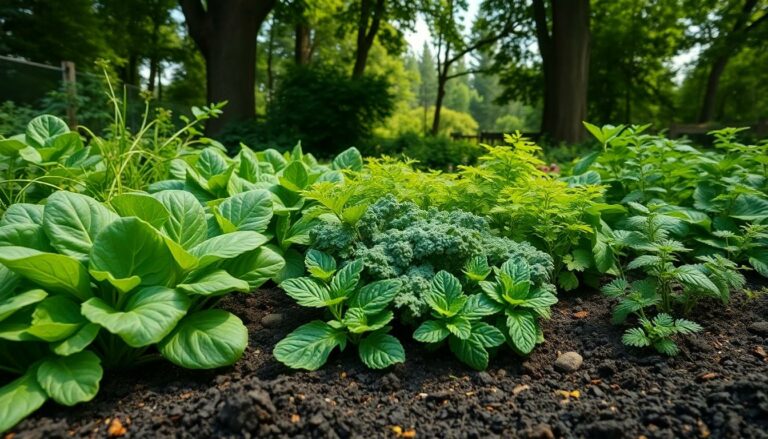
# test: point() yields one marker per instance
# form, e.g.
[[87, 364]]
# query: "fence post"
[[70, 85]]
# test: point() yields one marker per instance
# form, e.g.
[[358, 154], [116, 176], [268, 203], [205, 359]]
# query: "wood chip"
[[581, 314], [396, 430], [520, 388], [295, 418], [116, 428], [409, 434], [707, 376], [185, 395], [760, 351]]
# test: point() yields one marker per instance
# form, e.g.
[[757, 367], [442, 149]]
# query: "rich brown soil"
[[717, 387]]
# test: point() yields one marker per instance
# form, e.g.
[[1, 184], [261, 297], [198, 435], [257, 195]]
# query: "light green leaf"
[[25, 235], [307, 292], [41, 128], [320, 265], [539, 299], [20, 398], [129, 248], [294, 177], [309, 346], [227, 246], [255, 267], [206, 340], [250, 210], [380, 350], [56, 318], [346, 280], [186, 223], [146, 318], [374, 297], [210, 163], [11, 147], [487, 335], [471, 352], [358, 321], [478, 306], [431, 331], [11, 302], [142, 206], [77, 342], [71, 380], [348, 159], [72, 222], [459, 326], [23, 213], [216, 283], [54, 272], [523, 330]]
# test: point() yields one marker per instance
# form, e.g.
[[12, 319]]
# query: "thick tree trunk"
[[226, 34], [373, 12], [570, 40], [708, 106], [302, 49], [545, 49]]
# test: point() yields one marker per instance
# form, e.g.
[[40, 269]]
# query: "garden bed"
[[716, 387]]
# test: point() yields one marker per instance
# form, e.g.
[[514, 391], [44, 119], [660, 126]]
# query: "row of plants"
[[115, 251]]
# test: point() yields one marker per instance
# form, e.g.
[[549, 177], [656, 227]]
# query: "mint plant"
[[522, 303], [85, 285], [658, 333], [360, 315], [456, 316]]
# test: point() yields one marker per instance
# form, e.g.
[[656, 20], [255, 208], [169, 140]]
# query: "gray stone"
[[759, 328], [271, 320], [569, 362]]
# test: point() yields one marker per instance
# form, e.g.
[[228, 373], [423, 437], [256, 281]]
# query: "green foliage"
[[101, 287], [658, 333], [457, 318], [399, 240], [431, 152], [359, 313]]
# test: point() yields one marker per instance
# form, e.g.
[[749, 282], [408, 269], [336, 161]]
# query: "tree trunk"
[[441, 80], [545, 49], [153, 68], [365, 34], [570, 39], [270, 72], [302, 52], [226, 34], [710, 92]]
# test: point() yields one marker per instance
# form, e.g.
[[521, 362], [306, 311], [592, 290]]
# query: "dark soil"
[[717, 387]]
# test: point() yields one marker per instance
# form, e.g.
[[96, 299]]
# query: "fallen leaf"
[[581, 314], [397, 430], [520, 388], [596, 382], [760, 351], [703, 429], [295, 418], [423, 395], [186, 395], [9, 436], [707, 376], [116, 428], [409, 434], [569, 393]]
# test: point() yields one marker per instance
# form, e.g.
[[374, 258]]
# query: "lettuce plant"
[[457, 317], [359, 314], [520, 301], [85, 285]]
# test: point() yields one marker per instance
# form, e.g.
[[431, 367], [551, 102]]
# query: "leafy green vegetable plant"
[[85, 285], [456, 317], [359, 314], [658, 333]]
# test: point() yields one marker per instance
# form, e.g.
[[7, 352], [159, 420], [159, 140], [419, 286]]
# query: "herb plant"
[[359, 315]]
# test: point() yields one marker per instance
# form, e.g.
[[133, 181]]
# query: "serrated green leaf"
[[320, 265], [470, 352], [487, 335], [380, 350], [307, 292], [459, 326], [431, 331], [249, 211], [374, 297], [345, 281], [309, 346], [523, 329]]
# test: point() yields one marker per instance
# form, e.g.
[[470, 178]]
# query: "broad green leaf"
[[10, 302], [478, 306], [8, 281], [146, 318], [206, 340], [470, 351], [255, 267], [523, 330], [54, 272], [186, 223], [307, 292], [210, 163], [320, 265], [539, 299], [72, 222], [309, 346], [459, 326], [477, 268], [25, 235], [431, 331], [23, 213], [447, 287], [750, 208], [78, 341], [374, 297], [487, 335], [142, 206], [759, 260], [130, 248], [567, 280], [56, 318], [227, 246], [380, 350], [216, 283], [493, 290], [358, 321], [294, 177], [11, 147], [71, 380], [294, 264], [345, 281], [20, 398], [691, 277], [250, 210], [348, 159], [41, 128]]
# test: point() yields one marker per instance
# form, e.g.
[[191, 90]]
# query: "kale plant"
[[399, 240], [359, 314]]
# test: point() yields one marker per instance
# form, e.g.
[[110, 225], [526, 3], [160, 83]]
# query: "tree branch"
[[469, 72]]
